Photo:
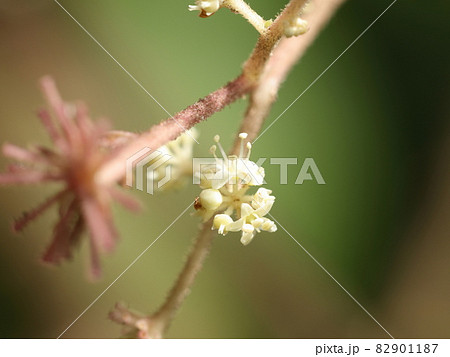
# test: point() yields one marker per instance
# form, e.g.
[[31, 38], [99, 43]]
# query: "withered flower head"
[[80, 148]]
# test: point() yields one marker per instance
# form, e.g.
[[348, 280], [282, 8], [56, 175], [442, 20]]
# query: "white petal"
[[248, 233]]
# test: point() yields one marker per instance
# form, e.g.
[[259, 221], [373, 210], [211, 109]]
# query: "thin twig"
[[248, 13], [269, 39], [284, 57], [163, 317], [168, 130], [160, 320]]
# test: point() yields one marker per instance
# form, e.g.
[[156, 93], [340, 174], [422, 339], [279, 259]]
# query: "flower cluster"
[[225, 184], [80, 149], [206, 8], [296, 27]]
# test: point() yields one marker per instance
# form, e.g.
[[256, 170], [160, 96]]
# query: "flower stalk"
[[185, 280], [89, 160], [254, 66], [171, 128], [242, 8], [262, 77], [284, 57], [155, 325]]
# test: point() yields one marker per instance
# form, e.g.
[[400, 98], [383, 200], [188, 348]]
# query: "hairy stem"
[[169, 129], [284, 57], [162, 318], [269, 39], [158, 135], [247, 12]]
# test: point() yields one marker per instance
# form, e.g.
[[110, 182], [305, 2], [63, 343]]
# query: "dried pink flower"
[[80, 149]]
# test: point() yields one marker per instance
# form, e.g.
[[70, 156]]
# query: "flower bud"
[[296, 27], [210, 199]]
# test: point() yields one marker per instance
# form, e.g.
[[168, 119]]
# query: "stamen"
[[212, 150], [222, 151], [193, 7], [249, 148], [243, 136]]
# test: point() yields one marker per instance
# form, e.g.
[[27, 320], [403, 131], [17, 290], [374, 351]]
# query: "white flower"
[[225, 185], [221, 221], [211, 199], [262, 201], [234, 172], [296, 27], [250, 222], [206, 8], [178, 164]]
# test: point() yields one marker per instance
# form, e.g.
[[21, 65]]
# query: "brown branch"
[[169, 129], [161, 320], [254, 66], [273, 76], [284, 57]]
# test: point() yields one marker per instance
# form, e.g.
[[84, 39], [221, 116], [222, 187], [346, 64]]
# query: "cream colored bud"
[[210, 199], [268, 23], [296, 27], [207, 8]]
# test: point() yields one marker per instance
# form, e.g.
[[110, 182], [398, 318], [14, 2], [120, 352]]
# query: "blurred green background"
[[376, 124]]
